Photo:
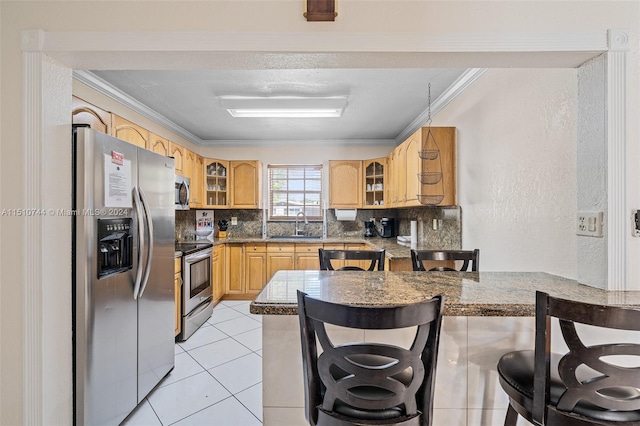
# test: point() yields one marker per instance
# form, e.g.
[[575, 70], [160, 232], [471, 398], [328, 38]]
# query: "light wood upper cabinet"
[[345, 184], [85, 113], [246, 188], [187, 166], [130, 132], [397, 177], [412, 166], [158, 144], [375, 183], [434, 169], [178, 153], [197, 182], [215, 185]]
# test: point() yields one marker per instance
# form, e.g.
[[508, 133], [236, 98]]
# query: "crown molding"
[[469, 77], [96, 83], [296, 142]]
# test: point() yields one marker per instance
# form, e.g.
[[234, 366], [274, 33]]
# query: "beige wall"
[[285, 16], [517, 168]]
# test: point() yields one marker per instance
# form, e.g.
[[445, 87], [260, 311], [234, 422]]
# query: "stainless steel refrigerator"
[[124, 221]]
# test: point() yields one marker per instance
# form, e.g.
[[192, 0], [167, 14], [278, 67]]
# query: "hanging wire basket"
[[429, 154], [430, 178], [430, 200]]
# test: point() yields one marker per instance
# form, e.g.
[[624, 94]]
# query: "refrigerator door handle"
[[137, 202], [147, 214]]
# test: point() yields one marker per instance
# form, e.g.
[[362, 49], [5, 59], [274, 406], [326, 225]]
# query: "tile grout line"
[[231, 394]]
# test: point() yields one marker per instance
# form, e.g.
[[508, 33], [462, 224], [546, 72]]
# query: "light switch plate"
[[589, 224]]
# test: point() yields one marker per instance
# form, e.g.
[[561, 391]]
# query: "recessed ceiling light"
[[284, 106]]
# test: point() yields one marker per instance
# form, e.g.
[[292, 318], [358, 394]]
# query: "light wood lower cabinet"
[[177, 282], [337, 264], [307, 258], [255, 260], [218, 269], [364, 264], [280, 257], [250, 266], [235, 270]]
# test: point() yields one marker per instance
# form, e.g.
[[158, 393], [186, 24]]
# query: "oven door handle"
[[149, 228], [196, 257], [137, 203]]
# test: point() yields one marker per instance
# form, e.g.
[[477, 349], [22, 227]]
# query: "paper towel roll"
[[346, 214], [414, 234]]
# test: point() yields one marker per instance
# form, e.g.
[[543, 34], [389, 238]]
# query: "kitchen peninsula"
[[486, 315]]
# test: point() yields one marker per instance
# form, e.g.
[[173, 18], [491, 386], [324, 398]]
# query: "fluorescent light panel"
[[283, 106]]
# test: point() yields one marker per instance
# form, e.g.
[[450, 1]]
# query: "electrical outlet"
[[589, 224], [234, 220], [635, 223]]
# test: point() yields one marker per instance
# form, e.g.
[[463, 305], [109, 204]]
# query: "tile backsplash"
[[434, 224]]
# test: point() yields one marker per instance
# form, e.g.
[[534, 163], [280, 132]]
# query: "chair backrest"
[[374, 256], [367, 381], [468, 257], [591, 373]]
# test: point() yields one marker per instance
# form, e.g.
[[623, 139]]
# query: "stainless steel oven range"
[[197, 289]]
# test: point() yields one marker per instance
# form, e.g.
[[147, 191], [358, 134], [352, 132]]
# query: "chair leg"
[[511, 417]]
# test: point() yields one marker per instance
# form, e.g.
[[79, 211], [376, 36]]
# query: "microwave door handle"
[[137, 203], [149, 228], [187, 189]]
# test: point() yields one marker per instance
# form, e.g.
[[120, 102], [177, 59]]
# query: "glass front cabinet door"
[[374, 182], [216, 174]]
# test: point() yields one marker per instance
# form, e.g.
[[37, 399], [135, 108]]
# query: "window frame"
[[315, 168]]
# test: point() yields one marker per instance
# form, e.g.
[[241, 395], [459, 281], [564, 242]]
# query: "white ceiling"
[[382, 102]]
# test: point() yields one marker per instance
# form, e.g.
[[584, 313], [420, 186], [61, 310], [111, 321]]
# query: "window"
[[294, 189]]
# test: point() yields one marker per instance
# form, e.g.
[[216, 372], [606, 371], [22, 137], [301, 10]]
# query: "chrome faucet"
[[304, 216]]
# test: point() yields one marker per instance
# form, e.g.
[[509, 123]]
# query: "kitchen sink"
[[295, 237]]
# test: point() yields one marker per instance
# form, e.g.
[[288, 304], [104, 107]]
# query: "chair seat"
[[358, 413], [517, 371]]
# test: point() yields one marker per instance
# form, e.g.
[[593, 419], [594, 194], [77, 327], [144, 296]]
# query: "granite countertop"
[[466, 293], [393, 250]]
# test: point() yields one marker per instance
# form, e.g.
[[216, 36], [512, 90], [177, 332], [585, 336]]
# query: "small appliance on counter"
[[370, 229], [388, 227]]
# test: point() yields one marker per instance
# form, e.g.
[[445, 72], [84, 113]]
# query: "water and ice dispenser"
[[115, 246]]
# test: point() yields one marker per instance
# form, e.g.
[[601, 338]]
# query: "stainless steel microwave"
[[183, 192]]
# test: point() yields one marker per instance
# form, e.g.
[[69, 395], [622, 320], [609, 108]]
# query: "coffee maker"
[[388, 227], [369, 229]]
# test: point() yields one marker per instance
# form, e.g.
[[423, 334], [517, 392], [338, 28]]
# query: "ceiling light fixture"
[[284, 106]]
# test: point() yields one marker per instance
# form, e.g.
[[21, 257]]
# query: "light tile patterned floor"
[[217, 378]]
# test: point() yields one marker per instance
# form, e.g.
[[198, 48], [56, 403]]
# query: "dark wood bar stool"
[[366, 383], [587, 385], [375, 256], [468, 257]]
